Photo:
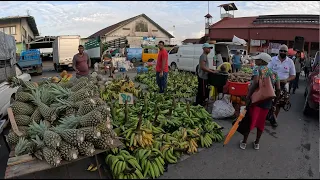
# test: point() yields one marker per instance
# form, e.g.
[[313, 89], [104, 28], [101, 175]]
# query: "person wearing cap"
[[286, 71], [203, 70], [258, 112]]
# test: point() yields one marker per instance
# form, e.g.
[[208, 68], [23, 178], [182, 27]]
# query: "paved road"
[[289, 151]]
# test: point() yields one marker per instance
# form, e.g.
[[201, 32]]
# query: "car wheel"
[[173, 66], [306, 109]]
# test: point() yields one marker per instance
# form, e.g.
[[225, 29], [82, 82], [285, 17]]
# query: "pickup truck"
[[30, 61]]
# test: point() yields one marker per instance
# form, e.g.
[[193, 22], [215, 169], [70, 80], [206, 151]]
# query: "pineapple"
[[23, 96], [67, 84], [72, 122], [50, 138], [68, 107], [67, 151], [86, 148], [104, 110], [24, 146], [71, 136], [22, 120], [105, 142], [91, 133], [47, 112], [80, 95], [87, 106], [100, 102], [36, 116], [79, 85], [28, 85], [21, 108], [105, 127], [59, 91], [12, 138]]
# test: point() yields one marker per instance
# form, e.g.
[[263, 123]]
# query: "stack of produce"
[[61, 123], [240, 77], [157, 130], [182, 84]]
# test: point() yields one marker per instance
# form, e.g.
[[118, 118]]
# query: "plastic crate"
[[122, 69], [238, 89]]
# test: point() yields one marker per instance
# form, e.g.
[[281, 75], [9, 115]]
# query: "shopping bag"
[[222, 108], [265, 90]]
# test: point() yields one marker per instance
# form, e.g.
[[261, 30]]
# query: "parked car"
[[186, 57], [150, 54], [311, 94], [134, 54]]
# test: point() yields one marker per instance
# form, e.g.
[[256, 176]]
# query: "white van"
[[186, 57]]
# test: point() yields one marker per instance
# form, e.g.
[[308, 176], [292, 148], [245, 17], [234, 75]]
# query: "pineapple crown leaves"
[[60, 91], [37, 129], [39, 142], [22, 146], [70, 122]]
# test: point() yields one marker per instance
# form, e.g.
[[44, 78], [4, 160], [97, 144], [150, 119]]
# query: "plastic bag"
[[96, 67], [222, 108]]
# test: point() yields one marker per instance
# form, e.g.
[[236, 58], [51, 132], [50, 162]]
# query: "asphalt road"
[[289, 151]]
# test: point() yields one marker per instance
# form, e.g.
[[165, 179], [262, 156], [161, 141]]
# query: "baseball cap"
[[283, 47], [207, 45], [263, 56]]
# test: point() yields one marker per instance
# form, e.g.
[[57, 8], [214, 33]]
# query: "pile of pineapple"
[[60, 121]]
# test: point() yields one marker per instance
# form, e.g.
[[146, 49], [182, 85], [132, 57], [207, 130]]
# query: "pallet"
[[26, 164]]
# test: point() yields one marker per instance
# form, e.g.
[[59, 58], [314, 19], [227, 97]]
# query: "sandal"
[[256, 146], [242, 145]]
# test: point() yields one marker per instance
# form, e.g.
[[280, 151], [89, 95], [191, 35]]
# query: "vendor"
[[227, 66], [203, 71], [107, 61]]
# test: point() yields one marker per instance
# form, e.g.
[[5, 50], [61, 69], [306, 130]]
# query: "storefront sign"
[[255, 42]]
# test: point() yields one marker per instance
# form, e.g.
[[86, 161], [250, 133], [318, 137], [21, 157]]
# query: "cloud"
[[87, 17]]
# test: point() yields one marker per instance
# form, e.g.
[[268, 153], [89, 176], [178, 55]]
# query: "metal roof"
[[30, 20], [194, 41], [229, 7], [275, 21], [113, 27]]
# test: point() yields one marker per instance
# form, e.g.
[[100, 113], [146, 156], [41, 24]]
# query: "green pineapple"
[[91, 133], [50, 138], [100, 102], [79, 86], [104, 110], [22, 120], [67, 151], [28, 85], [24, 146], [71, 136], [105, 142], [46, 112], [80, 95], [12, 138], [67, 84], [36, 116], [87, 106], [21, 108], [60, 92], [52, 156], [65, 107], [86, 148], [72, 122], [23, 96]]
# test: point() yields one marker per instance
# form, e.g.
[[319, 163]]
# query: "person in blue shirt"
[[236, 61]]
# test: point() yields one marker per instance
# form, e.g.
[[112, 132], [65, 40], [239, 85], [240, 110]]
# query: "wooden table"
[[26, 164]]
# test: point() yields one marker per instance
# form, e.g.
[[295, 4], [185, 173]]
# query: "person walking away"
[[298, 66], [284, 67], [203, 70], [259, 111], [162, 67], [219, 59], [307, 66], [81, 63], [236, 61]]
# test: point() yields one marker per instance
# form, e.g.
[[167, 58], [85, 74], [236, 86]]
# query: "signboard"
[[274, 47], [123, 97], [255, 42]]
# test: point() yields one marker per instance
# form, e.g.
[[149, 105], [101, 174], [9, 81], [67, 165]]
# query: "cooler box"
[[238, 89]]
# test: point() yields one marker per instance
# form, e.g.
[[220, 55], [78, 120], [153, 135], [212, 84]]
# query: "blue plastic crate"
[[122, 69]]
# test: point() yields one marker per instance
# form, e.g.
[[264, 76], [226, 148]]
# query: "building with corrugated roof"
[[137, 30]]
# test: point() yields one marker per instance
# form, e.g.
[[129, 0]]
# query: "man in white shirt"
[[285, 69]]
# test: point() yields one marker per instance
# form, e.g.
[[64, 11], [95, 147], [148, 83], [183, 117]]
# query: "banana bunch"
[[166, 138], [169, 155], [151, 161], [142, 137], [155, 130], [124, 166], [192, 146], [206, 140]]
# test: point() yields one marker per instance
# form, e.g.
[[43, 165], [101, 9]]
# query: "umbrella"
[[292, 52], [234, 127]]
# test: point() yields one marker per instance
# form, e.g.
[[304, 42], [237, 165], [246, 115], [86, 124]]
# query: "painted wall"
[[25, 25], [12, 22], [20, 46]]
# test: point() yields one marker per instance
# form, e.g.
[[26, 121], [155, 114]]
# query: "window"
[[6, 30], [126, 28], [145, 50], [13, 30], [174, 50], [154, 30], [141, 27]]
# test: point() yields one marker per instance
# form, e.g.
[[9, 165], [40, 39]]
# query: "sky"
[[183, 19]]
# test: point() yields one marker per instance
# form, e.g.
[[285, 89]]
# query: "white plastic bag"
[[96, 67], [222, 108]]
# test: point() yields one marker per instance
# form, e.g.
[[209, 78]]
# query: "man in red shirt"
[[162, 67]]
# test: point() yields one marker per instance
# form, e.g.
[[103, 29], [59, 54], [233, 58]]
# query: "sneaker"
[[242, 145], [256, 146]]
